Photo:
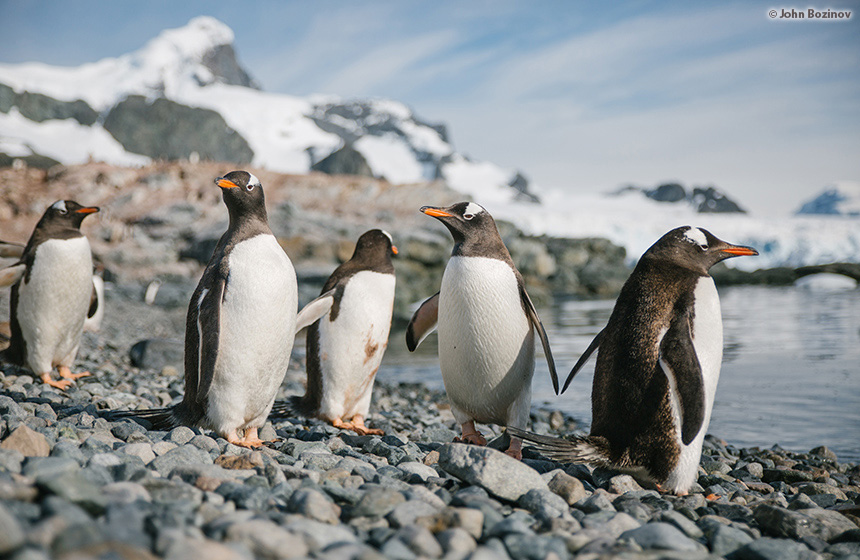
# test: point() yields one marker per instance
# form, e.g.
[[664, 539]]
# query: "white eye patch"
[[696, 237], [60, 205], [472, 210], [388, 235], [253, 181]]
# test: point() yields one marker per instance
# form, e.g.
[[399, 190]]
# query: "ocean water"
[[790, 375]]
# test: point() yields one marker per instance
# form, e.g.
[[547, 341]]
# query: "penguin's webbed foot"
[[249, 440], [515, 449], [66, 373], [61, 384], [357, 426], [470, 435]]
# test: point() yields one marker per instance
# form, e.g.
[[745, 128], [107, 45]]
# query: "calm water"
[[791, 365]]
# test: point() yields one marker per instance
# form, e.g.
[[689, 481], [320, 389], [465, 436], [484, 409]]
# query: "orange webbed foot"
[[66, 373], [474, 438], [61, 384]]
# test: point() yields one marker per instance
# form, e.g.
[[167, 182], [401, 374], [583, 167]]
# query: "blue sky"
[[580, 96]]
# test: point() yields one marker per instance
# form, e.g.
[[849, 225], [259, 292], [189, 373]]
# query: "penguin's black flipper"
[[571, 449], [582, 359], [209, 327], [531, 313], [679, 361], [12, 274], [315, 310], [423, 322]]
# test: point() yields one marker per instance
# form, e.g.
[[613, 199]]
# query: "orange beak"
[[87, 210], [226, 183], [394, 249], [435, 212], [740, 251]]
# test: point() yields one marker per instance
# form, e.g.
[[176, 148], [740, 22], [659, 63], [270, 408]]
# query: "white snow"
[[390, 158], [67, 141], [482, 180]]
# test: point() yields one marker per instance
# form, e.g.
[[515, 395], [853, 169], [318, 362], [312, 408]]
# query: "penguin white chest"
[[258, 317], [486, 343], [53, 302], [707, 334], [353, 343]]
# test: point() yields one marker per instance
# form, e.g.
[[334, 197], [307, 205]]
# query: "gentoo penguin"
[[486, 323], [51, 291], [347, 335], [657, 366], [240, 325]]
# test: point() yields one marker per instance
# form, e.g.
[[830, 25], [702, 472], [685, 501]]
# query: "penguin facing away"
[[51, 291], [486, 323], [658, 363], [240, 325], [348, 326]]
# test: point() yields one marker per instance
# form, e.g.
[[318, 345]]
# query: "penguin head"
[[66, 214], [375, 244], [696, 249], [243, 195], [465, 220]]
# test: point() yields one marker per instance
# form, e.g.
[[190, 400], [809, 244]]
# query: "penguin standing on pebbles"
[[347, 335], [51, 290], [240, 326], [658, 364], [486, 323]]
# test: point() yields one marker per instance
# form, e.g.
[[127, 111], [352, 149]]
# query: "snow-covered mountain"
[[184, 95], [841, 198]]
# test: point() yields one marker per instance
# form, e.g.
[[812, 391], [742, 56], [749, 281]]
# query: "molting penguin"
[[51, 290], [240, 325], [348, 327], [486, 323], [658, 365]]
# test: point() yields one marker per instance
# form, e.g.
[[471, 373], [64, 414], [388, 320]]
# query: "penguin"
[[486, 323], [658, 363], [348, 326], [240, 326], [51, 291]]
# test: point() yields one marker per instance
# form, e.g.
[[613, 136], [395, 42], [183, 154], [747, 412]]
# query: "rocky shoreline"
[[74, 485]]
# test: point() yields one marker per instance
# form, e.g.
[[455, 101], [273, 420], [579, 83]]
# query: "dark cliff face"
[[163, 129], [702, 199], [39, 108], [222, 62]]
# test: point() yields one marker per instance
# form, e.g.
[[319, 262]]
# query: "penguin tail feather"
[[161, 419], [291, 407], [590, 450]]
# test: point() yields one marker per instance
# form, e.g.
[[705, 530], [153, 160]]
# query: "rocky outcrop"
[[164, 129], [40, 108], [702, 199], [345, 161], [221, 60]]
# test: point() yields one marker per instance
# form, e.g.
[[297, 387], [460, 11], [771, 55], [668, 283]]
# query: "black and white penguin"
[[658, 364], [51, 291], [486, 323], [348, 327], [240, 326]]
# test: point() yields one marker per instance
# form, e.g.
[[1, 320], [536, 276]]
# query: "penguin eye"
[[249, 187], [468, 216]]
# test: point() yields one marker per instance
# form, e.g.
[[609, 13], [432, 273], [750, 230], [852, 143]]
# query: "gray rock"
[[821, 523], [180, 457], [535, 548], [407, 512], [181, 435], [774, 549], [456, 541], [544, 504], [419, 540], [76, 488], [622, 483], [724, 540], [41, 468], [126, 492], [499, 474], [661, 536], [314, 505], [599, 501], [11, 533], [682, 522], [141, 450], [10, 460], [420, 470], [265, 539], [568, 487], [319, 535], [378, 502]]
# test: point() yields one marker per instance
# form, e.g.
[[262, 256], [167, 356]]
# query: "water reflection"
[[791, 367]]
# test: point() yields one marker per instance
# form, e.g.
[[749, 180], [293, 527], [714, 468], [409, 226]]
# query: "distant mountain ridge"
[[185, 95], [839, 199], [703, 200]]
